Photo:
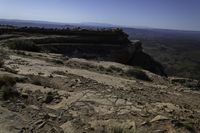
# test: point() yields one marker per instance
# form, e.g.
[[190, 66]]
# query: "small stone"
[[57, 101], [109, 90], [40, 73], [52, 115], [78, 81], [145, 123], [39, 98], [41, 114], [34, 107], [24, 95], [160, 131], [73, 87], [159, 118]]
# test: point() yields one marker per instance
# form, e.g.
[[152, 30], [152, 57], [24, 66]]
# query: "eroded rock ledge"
[[104, 44]]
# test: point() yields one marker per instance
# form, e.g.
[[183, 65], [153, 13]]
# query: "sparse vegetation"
[[190, 83], [101, 68], [57, 61], [7, 87], [178, 80], [138, 74], [115, 69], [111, 69], [36, 82], [25, 45], [122, 130], [49, 97], [59, 73], [3, 56], [21, 53]]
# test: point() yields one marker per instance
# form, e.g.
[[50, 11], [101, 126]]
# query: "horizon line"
[[114, 25]]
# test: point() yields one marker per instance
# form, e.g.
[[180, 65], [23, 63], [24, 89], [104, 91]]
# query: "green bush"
[[138, 74], [25, 45]]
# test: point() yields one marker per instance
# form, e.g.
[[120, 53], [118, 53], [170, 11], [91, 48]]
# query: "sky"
[[165, 14]]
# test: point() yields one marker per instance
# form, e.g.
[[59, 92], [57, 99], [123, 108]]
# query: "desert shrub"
[[116, 69], [25, 45], [7, 87], [109, 70], [138, 74], [59, 73], [190, 83], [122, 130], [7, 80], [58, 62], [3, 56], [178, 80], [49, 97], [117, 130], [20, 52], [101, 68], [36, 82]]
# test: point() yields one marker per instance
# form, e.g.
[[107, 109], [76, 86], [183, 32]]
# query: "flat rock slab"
[[10, 122]]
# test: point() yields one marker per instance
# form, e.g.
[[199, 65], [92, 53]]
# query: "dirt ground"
[[62, 95]]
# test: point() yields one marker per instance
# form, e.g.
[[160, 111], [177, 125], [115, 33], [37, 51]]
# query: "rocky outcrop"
[[92, 97], [108, 45], [142, 59], [129, 54]]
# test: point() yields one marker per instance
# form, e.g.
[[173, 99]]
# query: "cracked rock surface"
[[76, 97]]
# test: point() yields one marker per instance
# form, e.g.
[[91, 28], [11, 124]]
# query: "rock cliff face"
[[108, 45], [140, 58], [129, 54]]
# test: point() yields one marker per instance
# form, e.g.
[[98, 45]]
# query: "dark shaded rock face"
[[147, 62], [130, 54]]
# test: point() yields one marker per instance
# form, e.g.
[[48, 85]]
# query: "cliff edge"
[[100, 44]]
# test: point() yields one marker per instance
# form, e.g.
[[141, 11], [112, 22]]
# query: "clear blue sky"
[[168, 14]]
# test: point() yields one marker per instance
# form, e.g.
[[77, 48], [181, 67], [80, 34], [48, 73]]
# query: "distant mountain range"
[[31, 23], [134, 32], [47, 24]]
